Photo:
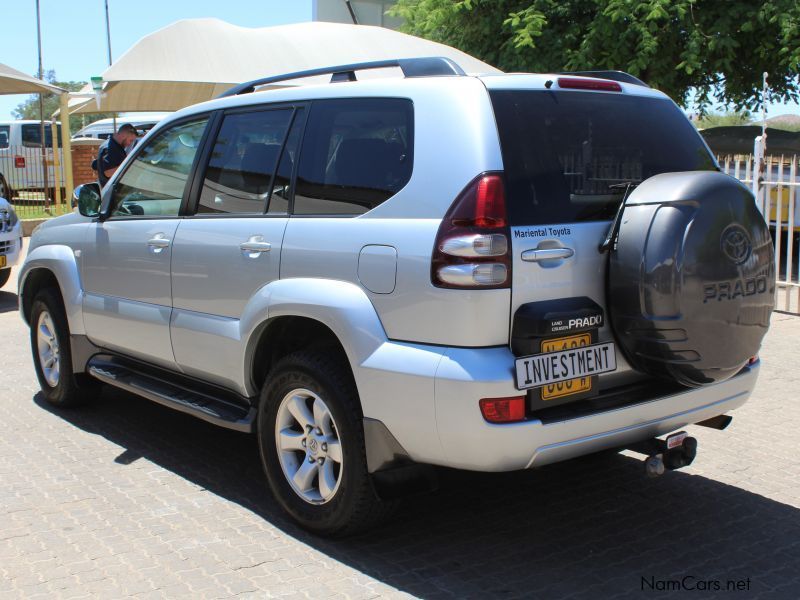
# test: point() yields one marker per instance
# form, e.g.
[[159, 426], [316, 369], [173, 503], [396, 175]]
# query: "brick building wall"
[[84, 151]]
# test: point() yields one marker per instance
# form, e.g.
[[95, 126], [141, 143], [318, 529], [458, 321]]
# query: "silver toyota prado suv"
[[373, 277]]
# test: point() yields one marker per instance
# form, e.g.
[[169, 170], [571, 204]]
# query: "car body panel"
[[10, 234], [213, 283], [422, 357], [127, 302]]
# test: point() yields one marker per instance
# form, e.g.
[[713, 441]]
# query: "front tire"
[[4, 275], [311, 440], [5, 190], [52, 358]]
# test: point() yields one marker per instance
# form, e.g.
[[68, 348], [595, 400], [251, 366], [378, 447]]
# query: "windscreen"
[[569, 156]]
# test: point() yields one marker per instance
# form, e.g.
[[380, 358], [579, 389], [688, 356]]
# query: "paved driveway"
[[129, 498]]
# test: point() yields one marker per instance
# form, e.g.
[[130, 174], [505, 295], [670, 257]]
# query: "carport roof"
[[194, 60], [17, 82]]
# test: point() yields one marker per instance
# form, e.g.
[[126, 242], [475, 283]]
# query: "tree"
[[720, 48], [720, 119], [30, 108]]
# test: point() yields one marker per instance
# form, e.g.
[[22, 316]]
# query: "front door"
[[126, 260]]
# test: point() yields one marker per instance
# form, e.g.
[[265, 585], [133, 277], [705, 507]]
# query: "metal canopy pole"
[[43, 138], [66, 135], [108, 44], [351, 11]]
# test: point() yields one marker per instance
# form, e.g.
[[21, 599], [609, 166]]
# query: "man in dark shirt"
[[112, 153]]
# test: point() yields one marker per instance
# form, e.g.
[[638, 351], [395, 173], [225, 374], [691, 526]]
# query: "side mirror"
[[87, 196]]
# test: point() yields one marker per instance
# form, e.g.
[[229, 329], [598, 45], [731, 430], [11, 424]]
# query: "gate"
[[32, 178], [777, 197]]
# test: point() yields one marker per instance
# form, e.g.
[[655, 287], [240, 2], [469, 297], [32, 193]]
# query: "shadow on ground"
[[593, 527], [8, 302]]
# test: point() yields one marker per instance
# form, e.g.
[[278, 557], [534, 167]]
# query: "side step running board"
[[203, 406]]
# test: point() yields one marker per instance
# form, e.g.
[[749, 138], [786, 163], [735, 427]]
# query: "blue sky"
[[74, 34], [74, 40]]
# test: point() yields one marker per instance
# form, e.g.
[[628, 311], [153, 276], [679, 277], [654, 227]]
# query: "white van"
[[103, 128], [21, 156]]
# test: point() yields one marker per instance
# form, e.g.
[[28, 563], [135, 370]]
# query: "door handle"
[[255, 246], [158, 242], [539, 255]]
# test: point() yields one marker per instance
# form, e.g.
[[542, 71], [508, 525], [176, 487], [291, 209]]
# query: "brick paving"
[[126, 498]]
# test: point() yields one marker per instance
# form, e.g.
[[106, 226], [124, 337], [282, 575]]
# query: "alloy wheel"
[[308, 444], [47, 345]]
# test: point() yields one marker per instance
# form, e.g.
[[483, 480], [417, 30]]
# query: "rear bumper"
[[466, 441]]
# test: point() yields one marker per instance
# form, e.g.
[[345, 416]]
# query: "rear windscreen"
[[568, 156]]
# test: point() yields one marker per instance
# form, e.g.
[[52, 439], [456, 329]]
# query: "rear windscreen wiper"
[[614, 229]]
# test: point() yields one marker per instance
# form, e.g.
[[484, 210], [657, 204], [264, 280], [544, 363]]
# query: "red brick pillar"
[[84, 151]]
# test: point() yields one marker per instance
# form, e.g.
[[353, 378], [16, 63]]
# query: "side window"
[[357, 153], [153, 183], [243, 160], [279, 199], [32, 135], [5, 136]]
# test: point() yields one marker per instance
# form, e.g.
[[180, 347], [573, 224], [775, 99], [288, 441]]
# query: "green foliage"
[[719, 47], [29, 109], [717, 119]]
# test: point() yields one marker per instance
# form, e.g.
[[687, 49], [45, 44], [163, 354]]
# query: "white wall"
[[368, 12]]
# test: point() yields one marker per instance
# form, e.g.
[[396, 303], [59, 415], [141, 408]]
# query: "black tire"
[[5, 191], [70, 389], [354, 506], [4, 275]]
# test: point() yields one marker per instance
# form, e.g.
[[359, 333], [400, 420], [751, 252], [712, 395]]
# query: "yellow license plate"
[[572, 386], [2, 261]]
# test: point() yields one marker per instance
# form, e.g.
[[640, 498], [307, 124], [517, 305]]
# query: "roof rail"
[[428, 66], [620, 76]]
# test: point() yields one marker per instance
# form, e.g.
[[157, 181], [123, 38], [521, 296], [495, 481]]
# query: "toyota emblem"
[[735, 244]]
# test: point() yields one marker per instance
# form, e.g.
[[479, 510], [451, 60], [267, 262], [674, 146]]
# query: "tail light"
[[472, 249], [579, 83], [503, 410], [19, 162]]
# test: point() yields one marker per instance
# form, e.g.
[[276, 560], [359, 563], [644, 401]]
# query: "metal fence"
[[24, 185], [777, 197]]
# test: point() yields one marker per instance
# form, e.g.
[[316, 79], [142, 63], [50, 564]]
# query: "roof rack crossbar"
[[620, 76], [411, 67]]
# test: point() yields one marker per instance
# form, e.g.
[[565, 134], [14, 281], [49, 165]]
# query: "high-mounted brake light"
[[19, 162], [472, 246], [503, 410], [581, 83]]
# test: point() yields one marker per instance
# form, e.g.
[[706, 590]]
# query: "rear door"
[[568, 157], [231, 246]]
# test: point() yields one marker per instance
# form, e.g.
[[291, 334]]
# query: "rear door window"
[[281, 183], [569, 155], [243, 162], [5, 136], [356, 154]]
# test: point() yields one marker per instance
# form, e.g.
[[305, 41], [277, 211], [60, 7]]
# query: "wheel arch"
[[52, 266], [319, 312]]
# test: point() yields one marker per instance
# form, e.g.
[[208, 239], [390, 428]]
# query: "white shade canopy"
[[17, 82], [195, 60]]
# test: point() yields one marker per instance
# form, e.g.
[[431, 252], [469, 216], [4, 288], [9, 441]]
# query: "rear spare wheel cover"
[[691, 281]]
